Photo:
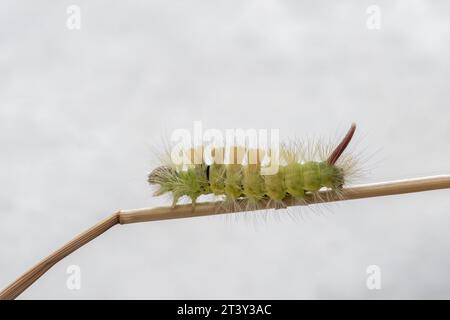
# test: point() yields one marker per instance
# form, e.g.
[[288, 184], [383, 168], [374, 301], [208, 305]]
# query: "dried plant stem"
[[29, 277], [212, 208]]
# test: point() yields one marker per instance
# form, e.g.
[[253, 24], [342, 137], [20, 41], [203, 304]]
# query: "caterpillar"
[[301, 171]]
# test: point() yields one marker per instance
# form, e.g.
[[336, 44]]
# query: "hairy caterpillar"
[[300, 171]]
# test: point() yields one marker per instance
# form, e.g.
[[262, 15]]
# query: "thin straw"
[[213, 208]]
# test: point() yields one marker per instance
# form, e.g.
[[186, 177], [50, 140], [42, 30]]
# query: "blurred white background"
[[80, 111]]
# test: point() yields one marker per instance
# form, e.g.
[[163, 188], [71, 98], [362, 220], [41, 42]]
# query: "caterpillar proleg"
[[302, 169]]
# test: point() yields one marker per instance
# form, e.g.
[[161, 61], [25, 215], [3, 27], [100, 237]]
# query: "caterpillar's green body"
[[239, 181], [296, 175]]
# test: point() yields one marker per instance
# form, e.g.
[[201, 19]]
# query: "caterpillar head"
[[164, 177]]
